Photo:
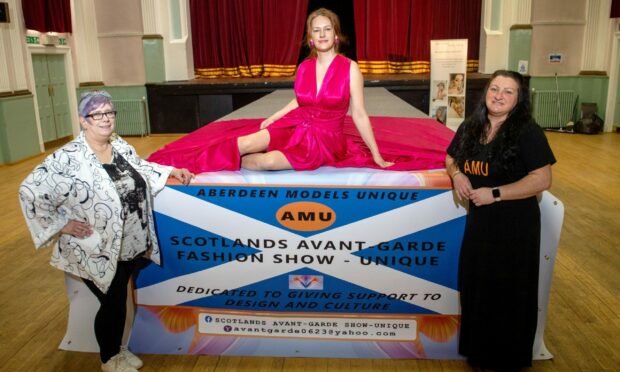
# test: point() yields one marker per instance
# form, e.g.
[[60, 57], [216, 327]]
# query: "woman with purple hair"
[[91, 200]]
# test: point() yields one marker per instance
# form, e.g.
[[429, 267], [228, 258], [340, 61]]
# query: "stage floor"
[[378, 101]]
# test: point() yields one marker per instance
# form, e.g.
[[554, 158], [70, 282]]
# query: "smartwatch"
[[496, 194]]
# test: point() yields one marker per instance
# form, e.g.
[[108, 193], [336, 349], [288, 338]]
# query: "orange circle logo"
[[306, 216]]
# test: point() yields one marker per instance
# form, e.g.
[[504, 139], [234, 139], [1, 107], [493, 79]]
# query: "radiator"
[[548, 113], [131, 117]]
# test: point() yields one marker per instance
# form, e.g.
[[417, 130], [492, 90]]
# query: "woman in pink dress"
[[308, 132], [313, 129]]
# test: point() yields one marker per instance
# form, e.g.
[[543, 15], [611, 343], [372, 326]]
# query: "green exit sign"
[[62, 41], [32, 40]]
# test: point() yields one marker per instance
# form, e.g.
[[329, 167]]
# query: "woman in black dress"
[[500, 160]]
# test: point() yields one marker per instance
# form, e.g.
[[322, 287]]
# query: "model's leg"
[[272, 160], [251, 148], [255, 142]]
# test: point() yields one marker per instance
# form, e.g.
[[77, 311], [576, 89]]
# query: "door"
[[60, 99], [44, 97], [52, 98]]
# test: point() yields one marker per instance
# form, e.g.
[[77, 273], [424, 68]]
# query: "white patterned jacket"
[[71, 183]]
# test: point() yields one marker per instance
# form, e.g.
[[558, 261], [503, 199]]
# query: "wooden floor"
[[583, 325]]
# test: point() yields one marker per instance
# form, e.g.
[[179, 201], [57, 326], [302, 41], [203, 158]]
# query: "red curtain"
[[615, 9], [47, 15], [248, 38], [393, 36]]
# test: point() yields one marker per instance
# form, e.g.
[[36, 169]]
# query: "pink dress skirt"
[[317, 133]]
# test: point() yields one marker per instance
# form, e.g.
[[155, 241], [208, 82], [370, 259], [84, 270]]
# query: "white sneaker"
[[117, 364], [131, 358]]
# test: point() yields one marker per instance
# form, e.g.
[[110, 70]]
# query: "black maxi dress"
[[498, 267]]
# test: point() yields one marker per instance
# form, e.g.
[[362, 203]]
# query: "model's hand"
[[183, 175], [382, 163], [77, 228], [265, 123], [482, 196], [462, 186]]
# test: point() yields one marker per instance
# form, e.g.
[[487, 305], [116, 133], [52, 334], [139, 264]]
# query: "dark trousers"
[[110, 319]]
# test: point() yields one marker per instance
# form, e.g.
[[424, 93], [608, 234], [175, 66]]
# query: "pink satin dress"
[[317, 133], [312, 134]]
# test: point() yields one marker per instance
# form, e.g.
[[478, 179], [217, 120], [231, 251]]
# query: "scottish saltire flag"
[[350, 263], [346, 263]]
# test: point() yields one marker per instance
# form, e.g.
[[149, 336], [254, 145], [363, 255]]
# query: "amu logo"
[[306, 216], [476, 167]]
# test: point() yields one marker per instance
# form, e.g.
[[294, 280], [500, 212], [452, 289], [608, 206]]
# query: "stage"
[[184, 106]]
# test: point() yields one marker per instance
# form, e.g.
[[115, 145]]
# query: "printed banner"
[[350, 263], [346, 263], [448, 81]]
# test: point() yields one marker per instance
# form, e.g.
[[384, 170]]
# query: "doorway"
[[52, 98]]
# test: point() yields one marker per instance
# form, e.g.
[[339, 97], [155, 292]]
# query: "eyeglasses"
[[99, 115]]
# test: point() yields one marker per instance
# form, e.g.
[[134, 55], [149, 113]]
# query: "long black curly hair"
[[477, 126]]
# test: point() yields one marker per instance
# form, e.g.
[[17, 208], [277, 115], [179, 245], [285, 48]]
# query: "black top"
[[484, 169], [131, 189]]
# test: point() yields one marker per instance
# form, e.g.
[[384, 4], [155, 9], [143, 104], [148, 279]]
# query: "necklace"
[[103, 151], [489, 136], [491, 132], [98, 146]]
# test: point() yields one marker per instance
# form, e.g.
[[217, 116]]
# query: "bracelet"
[[455, 173]]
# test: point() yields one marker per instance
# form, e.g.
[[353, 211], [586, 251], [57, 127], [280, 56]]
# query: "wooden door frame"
[[614, 72]]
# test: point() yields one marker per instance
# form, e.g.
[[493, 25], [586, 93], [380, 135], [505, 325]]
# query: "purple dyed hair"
[[92, 99]]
